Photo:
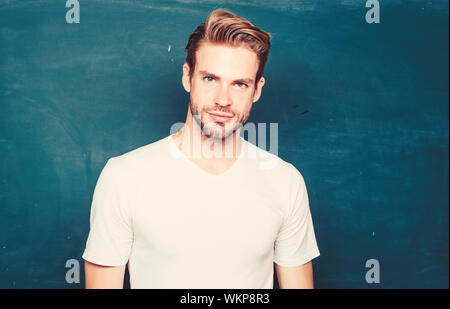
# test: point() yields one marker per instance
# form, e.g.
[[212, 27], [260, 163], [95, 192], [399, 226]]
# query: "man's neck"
[[201, 148]]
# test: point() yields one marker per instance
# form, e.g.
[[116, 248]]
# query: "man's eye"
[[209, 78], [241, 85]]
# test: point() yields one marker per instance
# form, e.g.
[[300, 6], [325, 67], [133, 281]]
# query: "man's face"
[[223, 83]]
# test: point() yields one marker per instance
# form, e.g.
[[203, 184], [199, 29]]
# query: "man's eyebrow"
[[240, 80]]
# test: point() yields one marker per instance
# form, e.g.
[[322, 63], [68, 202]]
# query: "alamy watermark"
[[373, 15], [211, 146], [373, 274], [73, 274], [73, 15]]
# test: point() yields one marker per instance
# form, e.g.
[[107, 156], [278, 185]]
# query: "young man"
[[183, 218]]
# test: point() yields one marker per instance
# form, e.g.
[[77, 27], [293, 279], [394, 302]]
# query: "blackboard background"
[[362, 112]]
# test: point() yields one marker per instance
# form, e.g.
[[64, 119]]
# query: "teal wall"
[[372, 146]]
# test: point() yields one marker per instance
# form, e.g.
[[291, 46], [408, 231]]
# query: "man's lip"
[[221, 115]]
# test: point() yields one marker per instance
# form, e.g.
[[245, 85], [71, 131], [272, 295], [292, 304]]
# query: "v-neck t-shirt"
[[178, 226]]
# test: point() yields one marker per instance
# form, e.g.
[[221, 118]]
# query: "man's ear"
[[185, 80], [259, 86]]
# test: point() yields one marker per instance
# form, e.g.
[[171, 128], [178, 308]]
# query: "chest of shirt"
[[196, 217]]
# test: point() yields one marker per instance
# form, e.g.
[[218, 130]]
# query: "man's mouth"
[[220, 117]]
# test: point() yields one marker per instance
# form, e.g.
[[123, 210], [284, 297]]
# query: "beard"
[[217, 130]]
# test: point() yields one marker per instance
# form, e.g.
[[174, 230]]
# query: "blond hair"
[[222, 26]]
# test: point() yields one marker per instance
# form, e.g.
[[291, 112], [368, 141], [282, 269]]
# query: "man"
[[183, 218]]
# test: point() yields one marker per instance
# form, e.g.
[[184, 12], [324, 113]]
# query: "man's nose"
[[222, 96]]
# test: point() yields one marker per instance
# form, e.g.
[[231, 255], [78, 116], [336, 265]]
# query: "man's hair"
[[223, 27]]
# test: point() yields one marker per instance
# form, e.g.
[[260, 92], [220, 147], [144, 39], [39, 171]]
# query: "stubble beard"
[[214, 130]]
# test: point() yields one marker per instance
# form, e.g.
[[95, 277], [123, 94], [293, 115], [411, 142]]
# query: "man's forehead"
[[208, 47], [221, 59]]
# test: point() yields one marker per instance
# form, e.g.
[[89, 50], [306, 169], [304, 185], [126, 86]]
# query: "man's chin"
[[217, 132]]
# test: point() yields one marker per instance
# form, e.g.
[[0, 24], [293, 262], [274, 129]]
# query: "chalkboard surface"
[[362, 112]]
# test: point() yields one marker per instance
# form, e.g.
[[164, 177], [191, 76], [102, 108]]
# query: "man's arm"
[[297, 277], [103, 277]]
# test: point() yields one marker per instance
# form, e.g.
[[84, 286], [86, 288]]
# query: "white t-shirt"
[[181, 227]]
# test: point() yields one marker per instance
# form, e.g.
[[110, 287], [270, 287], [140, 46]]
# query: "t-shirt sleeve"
[[296, 242], [111, 235]]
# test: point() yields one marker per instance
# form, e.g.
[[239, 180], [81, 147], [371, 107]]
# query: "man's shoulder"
[[269, 162], [142, 156], [275, 174]]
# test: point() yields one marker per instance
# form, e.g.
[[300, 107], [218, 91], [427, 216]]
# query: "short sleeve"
[[111, 235], [296, 241]]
